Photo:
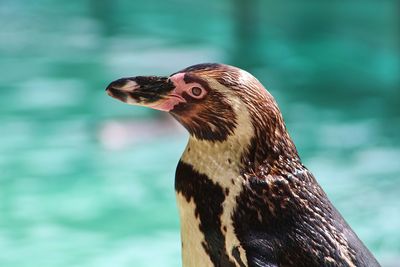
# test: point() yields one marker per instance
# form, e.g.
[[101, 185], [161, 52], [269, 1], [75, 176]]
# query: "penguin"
[[244, 196]]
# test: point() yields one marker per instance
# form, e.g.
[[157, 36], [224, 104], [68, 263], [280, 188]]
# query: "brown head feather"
[[271, 142]]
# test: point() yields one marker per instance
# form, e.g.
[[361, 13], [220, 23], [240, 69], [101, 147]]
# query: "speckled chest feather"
[[230, 218]]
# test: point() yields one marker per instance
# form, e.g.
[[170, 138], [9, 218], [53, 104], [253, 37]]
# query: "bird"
[[244, 196]]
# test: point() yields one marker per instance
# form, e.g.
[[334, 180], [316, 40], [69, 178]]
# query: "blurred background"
[[88, 181]]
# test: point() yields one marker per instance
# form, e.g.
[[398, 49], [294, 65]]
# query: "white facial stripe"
[[215, 158], [221, 162]]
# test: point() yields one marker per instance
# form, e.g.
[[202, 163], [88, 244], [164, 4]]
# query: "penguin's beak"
[[149, 91]]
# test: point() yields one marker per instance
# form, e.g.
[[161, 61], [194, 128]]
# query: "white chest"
[[193, 252], [226, 178]]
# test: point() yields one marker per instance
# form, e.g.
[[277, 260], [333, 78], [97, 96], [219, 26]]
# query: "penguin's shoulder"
[[287, 220]]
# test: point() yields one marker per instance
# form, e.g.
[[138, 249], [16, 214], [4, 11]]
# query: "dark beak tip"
[[110, 86], [108, 92]]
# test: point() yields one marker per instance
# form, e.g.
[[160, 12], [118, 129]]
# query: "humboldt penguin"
[[244, 196]]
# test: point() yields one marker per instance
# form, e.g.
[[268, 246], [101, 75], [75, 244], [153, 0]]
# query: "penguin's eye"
[[196, 91]]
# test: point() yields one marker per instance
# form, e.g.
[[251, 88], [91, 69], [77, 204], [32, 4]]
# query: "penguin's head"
[[213, 102], [204, 98]]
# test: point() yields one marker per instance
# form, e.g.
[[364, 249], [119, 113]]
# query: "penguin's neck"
[[216, 160]]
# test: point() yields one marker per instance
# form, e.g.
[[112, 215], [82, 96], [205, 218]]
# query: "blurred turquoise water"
[[88, 181]]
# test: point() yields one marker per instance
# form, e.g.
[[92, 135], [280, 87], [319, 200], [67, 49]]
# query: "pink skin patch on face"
[[175, 96], [167, 104]]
